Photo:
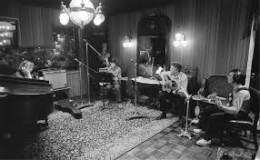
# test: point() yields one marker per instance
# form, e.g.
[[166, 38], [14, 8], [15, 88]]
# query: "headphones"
[[238, 77]]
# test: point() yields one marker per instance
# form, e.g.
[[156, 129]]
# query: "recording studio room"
[[129, 79]]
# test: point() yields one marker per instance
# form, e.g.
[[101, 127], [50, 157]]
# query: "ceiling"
[[109, 6]]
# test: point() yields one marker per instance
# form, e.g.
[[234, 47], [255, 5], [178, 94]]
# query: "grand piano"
[[23, 102]]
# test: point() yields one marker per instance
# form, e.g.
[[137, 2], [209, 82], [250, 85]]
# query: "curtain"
[[213, 29], [35, 23]]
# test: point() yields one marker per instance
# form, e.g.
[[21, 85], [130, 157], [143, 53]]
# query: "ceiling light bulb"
[[100, 18], [176, 43], [64, 18], [179, 37]]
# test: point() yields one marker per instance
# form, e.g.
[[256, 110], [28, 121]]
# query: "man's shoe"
[[203, 142], [162, 116], [197, 130], [195, 121]]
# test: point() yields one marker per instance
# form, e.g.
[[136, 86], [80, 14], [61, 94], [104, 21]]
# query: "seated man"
[[216, 116], [116, 71], [173, 94]]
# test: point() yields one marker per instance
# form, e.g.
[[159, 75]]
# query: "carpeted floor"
[[102, 133]]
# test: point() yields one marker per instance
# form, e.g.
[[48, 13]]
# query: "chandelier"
[[81, 12]]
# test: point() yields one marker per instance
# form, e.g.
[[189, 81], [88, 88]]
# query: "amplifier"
[[58, 78]]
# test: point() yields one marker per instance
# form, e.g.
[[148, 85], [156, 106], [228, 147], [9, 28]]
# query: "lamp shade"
[[81, 12], [179, 36], [64, 18], [100, 18]]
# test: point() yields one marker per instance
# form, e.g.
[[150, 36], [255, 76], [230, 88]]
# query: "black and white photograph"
[[129, 79]]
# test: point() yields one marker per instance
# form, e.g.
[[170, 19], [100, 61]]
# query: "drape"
[[213, 28], [35, 23]]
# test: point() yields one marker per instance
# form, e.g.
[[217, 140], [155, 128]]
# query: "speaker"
[[57, 78]]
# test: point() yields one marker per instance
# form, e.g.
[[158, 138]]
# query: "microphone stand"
[[185, 132], [82, 104], [135, 84]]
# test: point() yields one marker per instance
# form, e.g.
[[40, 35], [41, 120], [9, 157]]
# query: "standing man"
[[117, 75]]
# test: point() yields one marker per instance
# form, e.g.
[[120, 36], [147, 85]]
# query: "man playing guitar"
[[174, 90]]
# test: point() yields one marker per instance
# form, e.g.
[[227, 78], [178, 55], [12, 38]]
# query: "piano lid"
[[23, 86]]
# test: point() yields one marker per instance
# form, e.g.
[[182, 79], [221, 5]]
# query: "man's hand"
[[212, 95], [219, 104], [200, 91]]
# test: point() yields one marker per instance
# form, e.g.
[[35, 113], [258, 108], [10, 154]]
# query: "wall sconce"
[[127, 42], [180, 40], [100, 18]]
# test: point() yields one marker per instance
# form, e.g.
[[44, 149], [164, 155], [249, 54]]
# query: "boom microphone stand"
[[82, 104]]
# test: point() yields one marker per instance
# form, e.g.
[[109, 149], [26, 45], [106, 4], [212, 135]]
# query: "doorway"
[[153, 38]]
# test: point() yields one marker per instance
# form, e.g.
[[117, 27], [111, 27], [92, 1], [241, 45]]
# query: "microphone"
[[76, 59]]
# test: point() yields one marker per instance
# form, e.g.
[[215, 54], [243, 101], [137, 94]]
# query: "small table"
[[200, 98]]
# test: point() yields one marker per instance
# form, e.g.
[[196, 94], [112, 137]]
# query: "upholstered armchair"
[[192, 74], [217, 84]]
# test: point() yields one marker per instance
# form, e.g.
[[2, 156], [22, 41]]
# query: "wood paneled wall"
[[214, 30]]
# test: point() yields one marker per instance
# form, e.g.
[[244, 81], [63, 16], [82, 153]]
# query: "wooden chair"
[[236, 126]]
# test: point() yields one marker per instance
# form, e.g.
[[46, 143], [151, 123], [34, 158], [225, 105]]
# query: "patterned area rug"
[[102, 133]]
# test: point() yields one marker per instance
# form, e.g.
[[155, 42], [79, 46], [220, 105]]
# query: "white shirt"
[[239, 97]]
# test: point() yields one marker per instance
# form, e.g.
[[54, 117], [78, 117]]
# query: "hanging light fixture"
[[64, 17], [81, 12], [100, 18]]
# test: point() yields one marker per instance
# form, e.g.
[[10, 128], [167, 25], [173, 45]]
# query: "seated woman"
[[25, 69], [173, 94], [216, 116], [117, 74]]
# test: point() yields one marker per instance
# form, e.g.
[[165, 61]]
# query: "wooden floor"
[[166, 145]]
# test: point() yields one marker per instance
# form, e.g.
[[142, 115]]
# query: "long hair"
[[238, 76]]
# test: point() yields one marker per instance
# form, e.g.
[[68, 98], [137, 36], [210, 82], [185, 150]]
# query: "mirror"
[[153, 38]]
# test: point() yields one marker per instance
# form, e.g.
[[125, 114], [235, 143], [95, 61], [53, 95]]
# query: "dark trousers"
[[170, 102], [213, 120]]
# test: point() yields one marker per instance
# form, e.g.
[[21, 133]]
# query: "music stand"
[[185, 132]]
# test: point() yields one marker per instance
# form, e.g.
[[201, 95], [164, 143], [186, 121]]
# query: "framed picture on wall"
[[9, 32]]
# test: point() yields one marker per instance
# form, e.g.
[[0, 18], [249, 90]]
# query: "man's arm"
[[164, 75], [235, 108]]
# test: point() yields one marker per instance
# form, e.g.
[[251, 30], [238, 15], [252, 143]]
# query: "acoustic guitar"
[[169, 86]]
